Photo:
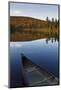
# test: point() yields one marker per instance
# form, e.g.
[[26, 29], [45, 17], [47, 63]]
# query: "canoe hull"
[[36, 75]]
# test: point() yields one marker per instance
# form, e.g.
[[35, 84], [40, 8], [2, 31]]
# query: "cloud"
[[17, 12]]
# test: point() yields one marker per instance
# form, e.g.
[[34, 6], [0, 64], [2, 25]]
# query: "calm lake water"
[[43, 52]]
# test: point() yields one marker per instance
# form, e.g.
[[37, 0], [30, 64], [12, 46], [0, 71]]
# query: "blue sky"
[[38, 11]]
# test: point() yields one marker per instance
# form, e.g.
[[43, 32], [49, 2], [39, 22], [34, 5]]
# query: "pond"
[[43, 52]]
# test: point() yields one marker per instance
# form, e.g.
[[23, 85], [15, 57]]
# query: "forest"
[[28, 28]]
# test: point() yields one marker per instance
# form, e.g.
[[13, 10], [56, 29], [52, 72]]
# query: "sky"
[[39, 11]]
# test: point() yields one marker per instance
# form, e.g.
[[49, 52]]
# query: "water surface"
[[43, 52]]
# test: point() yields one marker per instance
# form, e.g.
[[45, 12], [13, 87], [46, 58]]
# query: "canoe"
[[36, 75]]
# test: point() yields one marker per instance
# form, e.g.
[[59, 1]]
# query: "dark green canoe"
[[36, 75]]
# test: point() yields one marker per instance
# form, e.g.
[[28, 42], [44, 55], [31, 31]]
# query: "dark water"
[[43, 52]]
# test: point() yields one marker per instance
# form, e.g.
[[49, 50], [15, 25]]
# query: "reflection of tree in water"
[[51, 39], [47, 41], [52, 34], [52, 27]]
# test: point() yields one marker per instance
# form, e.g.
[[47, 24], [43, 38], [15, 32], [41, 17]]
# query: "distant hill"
[[26, 21]]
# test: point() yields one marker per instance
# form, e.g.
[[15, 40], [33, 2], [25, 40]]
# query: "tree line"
[[21, 28], [52, 23]]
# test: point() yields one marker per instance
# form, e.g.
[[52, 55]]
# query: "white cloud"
[[17, 12]]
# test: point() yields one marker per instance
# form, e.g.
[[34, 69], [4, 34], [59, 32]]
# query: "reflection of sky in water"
[[35, 42], [39, 51]]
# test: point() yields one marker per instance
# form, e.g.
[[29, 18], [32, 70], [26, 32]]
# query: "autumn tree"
[[52, 20], [47, 19], [56, 23]]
